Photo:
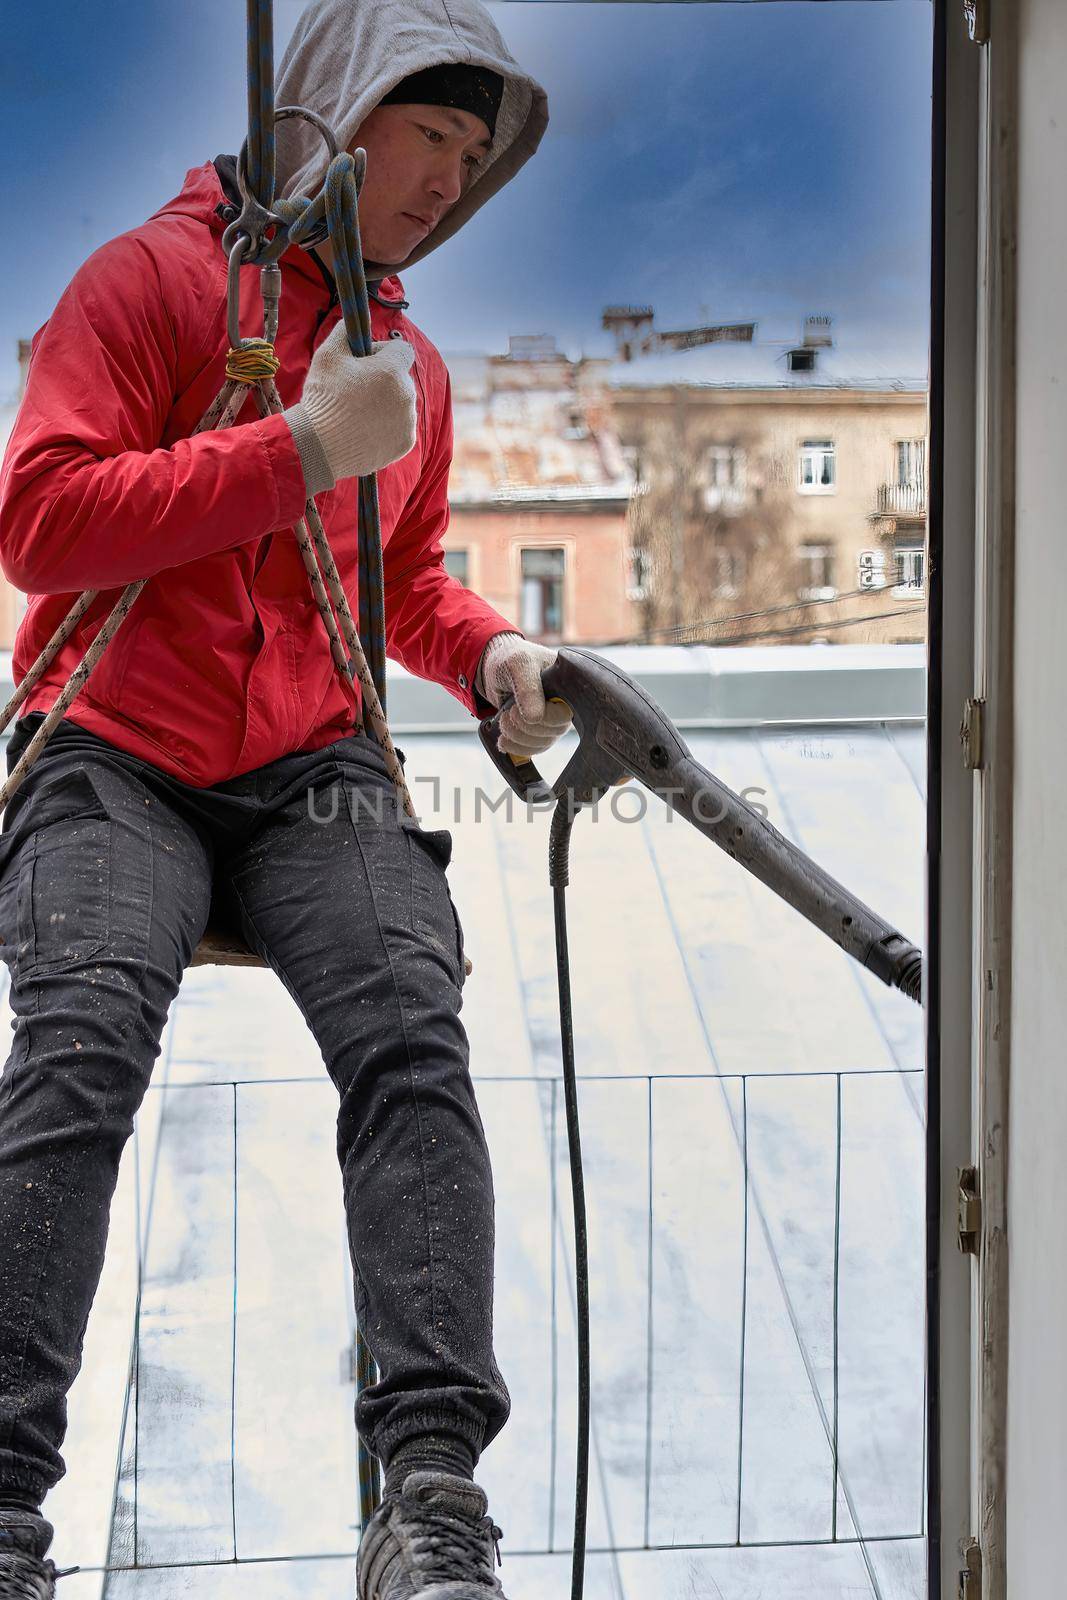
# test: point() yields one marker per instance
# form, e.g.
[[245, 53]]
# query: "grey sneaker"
[[432, 1541]]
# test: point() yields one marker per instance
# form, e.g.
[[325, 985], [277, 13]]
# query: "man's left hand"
[[511, 664]]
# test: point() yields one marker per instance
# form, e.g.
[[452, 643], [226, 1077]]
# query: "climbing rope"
[[265, 228], [252, 362]]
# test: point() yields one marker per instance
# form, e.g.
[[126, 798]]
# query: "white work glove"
[[357, 413], [510, 664]]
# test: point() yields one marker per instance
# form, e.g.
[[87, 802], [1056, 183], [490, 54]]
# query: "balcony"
[[902, 499]]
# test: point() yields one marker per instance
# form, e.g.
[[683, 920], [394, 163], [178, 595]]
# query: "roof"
[[714, 1030], [533, 431], [542, 432], [762, 364], [721, 686]]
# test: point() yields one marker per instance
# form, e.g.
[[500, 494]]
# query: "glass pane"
[[542, 563], [553, 592], [533, 613], [753, 1100], [457, 563]]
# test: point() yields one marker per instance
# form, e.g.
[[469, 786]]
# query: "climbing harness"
[[622, 734]]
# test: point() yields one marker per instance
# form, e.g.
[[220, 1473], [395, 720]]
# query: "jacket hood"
[[346, 55]]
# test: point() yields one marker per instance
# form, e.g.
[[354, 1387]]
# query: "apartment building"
[[782, 485], [540, 493]]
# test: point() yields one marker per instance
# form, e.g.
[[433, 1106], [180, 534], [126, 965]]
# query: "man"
[[181, 777]]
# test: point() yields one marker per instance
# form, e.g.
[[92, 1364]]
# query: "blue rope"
[[261, 101]]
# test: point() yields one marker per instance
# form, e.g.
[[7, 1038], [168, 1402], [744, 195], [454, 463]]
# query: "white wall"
[[1037, 1423]]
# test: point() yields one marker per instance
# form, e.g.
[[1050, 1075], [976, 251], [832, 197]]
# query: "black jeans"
[[108, 869]]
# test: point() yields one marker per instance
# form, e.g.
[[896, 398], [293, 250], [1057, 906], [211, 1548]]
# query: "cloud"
[[750, 158]]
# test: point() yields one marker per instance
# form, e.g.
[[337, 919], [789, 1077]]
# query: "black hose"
[[559, 860]]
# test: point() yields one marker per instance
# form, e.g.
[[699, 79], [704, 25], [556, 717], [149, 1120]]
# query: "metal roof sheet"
[[762, 365], [718, 1038]]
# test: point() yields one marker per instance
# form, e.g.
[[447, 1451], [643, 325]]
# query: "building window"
[[725, 471], [726, 466], [816, 572], [729, 573], [817, 470], [457, 565], [909, 563], [577, 428], [638, 573], [802, 360], [911, 461], [542, 592], [905, 494]]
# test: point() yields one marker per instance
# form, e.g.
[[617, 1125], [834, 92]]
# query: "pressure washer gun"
[[623, 733]]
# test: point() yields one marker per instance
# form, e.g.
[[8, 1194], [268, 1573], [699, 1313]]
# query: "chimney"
[[817, 332], [632, 327], [24, 365]]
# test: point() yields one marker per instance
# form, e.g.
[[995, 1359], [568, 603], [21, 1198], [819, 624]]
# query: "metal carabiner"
[[238, 251], [283, 114]]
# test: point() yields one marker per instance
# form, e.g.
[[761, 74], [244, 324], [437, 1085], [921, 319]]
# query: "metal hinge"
[[970, 1210], [970, 1585], [977, 14], [971, 729]]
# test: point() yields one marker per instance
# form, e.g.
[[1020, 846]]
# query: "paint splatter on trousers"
[[108, 870]]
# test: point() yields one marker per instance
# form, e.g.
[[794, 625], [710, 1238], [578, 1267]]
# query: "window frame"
[[543, 547], [729, 588], [905, 555], [810, 551], [466, 553], [826, 451]]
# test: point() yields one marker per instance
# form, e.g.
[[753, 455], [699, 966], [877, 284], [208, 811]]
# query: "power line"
[[676, 629], [747, 616], [816, 627]]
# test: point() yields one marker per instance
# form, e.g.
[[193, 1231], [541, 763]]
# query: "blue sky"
[[728, 161]]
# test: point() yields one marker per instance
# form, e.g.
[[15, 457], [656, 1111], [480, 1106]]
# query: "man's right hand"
[[357, 413]]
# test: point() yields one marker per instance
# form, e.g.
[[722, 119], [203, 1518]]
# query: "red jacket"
[[223, 663]]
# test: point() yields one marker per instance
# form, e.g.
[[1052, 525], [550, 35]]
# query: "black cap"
[[453, 83]]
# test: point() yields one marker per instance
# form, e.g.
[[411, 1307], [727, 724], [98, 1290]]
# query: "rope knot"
[[252, 361]]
